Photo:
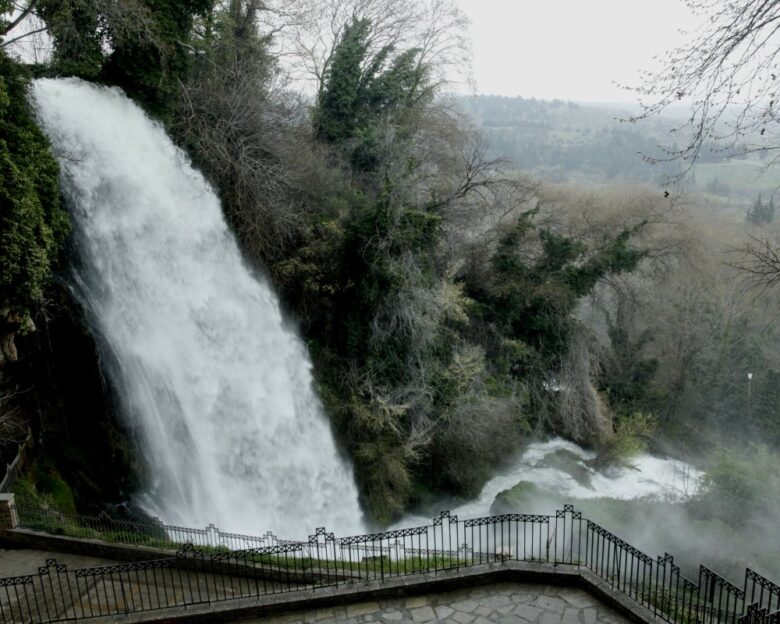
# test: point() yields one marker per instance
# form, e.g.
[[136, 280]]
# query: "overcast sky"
[[570, 49]]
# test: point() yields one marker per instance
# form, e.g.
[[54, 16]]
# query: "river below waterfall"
[[561, 471]]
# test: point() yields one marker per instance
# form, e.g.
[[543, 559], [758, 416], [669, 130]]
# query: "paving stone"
[[505, 588], [511, 619], [571, 616], [529, 613], [578, 598], [462, 618], [443, 612], [496, 601], [588, 616], [466, 606], [550, 617], [416, 601], [550, 603], [523, 597], [397, 616], [423, 614], [506, 609], [484, 611], [340, 613], [362, 608]]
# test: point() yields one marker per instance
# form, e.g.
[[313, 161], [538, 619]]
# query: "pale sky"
[[570, 49]]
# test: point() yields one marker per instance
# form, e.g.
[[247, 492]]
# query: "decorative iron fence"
[[200, 575], [154, 534]]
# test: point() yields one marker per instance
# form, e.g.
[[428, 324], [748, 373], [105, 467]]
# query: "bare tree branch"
[[760, 263]]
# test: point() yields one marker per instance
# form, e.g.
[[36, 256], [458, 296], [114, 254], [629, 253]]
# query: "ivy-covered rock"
[[33, 225]]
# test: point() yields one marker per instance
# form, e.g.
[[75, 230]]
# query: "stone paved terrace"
[[502, 603]]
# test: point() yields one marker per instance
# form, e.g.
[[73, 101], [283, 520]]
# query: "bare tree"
[[22, 33], [728, 72], [246, 132], [308, 35], [760, 261], [12, 428]]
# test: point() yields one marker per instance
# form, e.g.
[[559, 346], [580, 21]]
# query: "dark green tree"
[[530, 295], [151, 70], [79, 34], [363, 87], [761, 213], [143, 46], [341, 109]]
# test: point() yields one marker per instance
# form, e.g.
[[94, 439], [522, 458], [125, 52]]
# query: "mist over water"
[[217, 389]]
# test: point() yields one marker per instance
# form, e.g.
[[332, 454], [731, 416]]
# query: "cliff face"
[[11, 323], [58, 388]]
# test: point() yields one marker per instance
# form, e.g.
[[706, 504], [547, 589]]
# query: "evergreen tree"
[[341, 108], [362, 87], [760, 213]]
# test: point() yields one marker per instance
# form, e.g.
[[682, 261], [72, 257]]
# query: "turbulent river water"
[[216, 387], [644, 477]]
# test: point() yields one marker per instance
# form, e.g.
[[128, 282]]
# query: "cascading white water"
[[218, 390], [646, 477]]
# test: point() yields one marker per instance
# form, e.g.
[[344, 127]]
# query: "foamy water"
[[646, 476]]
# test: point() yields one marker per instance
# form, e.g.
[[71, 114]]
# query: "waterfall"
[[217, 389]]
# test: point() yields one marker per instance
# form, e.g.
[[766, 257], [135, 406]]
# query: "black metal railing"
[[153, 534], [213, 572]]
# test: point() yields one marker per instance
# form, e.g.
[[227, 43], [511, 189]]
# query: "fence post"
[[8, 516]]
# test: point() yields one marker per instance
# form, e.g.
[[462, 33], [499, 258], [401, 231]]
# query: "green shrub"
[[631, 438]]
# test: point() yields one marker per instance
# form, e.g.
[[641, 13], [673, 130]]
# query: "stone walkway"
[[504, 603]]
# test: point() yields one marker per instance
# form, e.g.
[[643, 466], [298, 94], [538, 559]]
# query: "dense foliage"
[[140, 45], [32, 223]]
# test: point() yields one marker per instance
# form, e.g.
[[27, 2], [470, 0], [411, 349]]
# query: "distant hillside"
[[565, 141]]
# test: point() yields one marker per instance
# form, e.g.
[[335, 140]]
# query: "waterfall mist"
[[216, 388]]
